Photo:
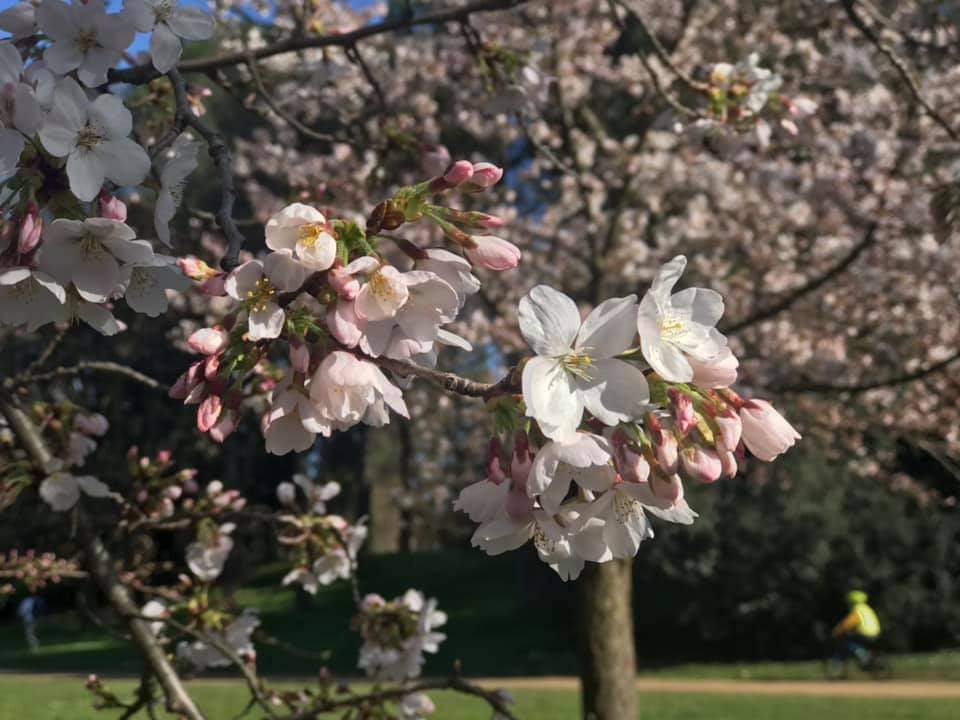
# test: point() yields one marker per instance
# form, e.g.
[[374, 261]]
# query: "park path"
[[888, 689]]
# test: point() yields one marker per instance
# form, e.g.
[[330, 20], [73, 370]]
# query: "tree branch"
[[101, 567], [142, 74], [857, 388], [451, 382], [810, 286], [899, 65], [92, 365], [222, 160]]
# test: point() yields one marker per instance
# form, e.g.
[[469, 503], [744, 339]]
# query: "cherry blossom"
[[93, 136], [347, 390], [89, 254], [303, 231], [84, 38], [20, 113], [61, 490], [168, 21], [145, 284], [181, 161], [674, 326], [576, 365], [207, 556], [257, 284], [30, 297]]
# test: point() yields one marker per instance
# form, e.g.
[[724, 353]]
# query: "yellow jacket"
[[862, 620]]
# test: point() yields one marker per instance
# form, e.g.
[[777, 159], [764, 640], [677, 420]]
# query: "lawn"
[[63, 698]]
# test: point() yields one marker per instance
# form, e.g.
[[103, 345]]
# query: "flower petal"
[[551, 398], [549, 321], [618, 393], [610, 328]]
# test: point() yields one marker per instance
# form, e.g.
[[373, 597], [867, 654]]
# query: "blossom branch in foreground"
[[101, 567]]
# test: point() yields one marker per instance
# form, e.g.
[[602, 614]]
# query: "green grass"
[[60, 698]]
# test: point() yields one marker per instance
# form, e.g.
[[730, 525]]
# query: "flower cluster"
[[612, 433], [396, 634], [339, 304], [34, 570], [324, 546], [67, 255]]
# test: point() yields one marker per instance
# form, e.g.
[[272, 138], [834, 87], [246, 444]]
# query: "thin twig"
[[142, 74], [222, 160], [857, 388], [104, 366], [899, 65]]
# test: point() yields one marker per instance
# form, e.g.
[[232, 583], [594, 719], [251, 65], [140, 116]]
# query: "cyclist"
[[857, 633]]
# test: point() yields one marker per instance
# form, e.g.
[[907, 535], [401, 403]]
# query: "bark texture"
[[607, 655]]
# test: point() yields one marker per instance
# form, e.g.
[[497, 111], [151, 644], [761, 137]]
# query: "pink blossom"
[[459, 172], [683, 411], [701, 463], [31, 228], [766, 433], [112, 208], [485, 175], [719, 372], [492, 252], [187, 381], [342, 282], [209, 412], [209, 341], [731, 428]]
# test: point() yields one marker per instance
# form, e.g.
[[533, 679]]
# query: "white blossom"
[[236, 636], [93, 136], [303, 230], [61, 490], [169, 21], [31, 298], [576, 365], [674, 326], [208, 555], [20, 113], [145, 284], [83, 38], [257, 284]]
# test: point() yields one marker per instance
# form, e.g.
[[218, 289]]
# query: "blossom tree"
[[370, 259]]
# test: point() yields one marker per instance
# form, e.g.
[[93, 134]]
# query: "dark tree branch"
[[899, 65], [222, 160], [809, 287], [100, 564], [84, 366], [857, 388], [145, 73]]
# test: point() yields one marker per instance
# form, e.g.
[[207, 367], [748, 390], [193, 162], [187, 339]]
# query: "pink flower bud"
[[112, 207], [224, 427], [211, 367], [459, 172], [174, 492], [683, 412], [209, 412], [630, 464], [214, 488], [720, 372], [664, 445], [31, 229], [485, 175], [519, 505], [492, 253], [730, 427], [522, 461], [190, 486], [196, 269], [668, 488], [766, 433], [299, 357], [342, 282], [728, 464], [701, 463], [209, 341], [215, 286], [187, 382], [164, 456]]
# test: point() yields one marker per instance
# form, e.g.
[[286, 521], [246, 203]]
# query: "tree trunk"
[[608, 663]]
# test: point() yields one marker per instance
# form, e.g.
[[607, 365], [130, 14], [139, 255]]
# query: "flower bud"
[[664, 445], [701, 463], [719, 372], [342, 282], [196, 269], [459, 173], [668, 488], [164, 457], [522, 461], [485, 175], [112, 208], [766, 433], [209, 412], [683, 411], [728, 464], [224, 426], [299, 357], [730, 427], [630, 464], [492, 252], [187, 381], [215, 286], [209, 341], [31, 229], [286, 493]]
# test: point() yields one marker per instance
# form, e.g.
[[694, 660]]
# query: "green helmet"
[[855, 597]]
